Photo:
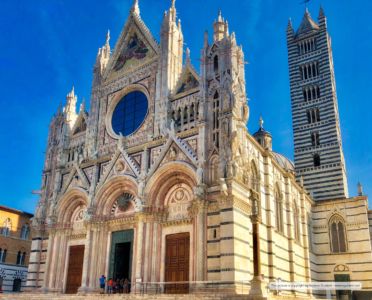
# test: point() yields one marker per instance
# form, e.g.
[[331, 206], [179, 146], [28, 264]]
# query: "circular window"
[[129, 113]]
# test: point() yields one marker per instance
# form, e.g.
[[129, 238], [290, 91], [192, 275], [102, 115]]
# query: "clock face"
[[129, 113]]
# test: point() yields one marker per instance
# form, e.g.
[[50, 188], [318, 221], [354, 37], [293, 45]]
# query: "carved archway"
[[168, 176], [69, 203], [109, 193]]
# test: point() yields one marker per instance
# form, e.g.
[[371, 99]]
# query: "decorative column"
[[87, 261], [45, 287], [139, 239], [201, 241], [258, 289]]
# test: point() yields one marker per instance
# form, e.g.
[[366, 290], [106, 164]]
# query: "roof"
[[284, 162], [261, 131], [307, 24], [16, 211]]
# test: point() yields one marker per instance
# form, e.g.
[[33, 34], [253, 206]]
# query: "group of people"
[[114, 286]]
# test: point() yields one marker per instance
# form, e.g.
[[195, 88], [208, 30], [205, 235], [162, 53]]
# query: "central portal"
[[177, 263], [122, 261], [121, 256]]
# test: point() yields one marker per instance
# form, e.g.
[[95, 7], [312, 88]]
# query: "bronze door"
[[177, 262], [75, 269]]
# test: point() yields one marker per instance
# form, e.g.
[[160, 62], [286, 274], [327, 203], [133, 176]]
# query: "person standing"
[[102, 282], [109, 286]]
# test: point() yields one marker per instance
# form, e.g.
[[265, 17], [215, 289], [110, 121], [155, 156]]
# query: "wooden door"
[[75, 269], [177, 262]]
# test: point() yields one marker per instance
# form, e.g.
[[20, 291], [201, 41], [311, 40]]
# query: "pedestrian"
[[126, 286], [121, 285], [109, 286], [102, 282]]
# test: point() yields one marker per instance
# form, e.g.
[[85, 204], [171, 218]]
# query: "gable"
[[134, 48], [80, 125], [188, 82]]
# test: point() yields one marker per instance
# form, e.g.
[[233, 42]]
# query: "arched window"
[[7, 225], [3, 255], [19, 257], [316, 159], [337, 234], [255, 184], [309, 231], [315, 139], [278, 209], [214, 169], [25, 232], [23, 258], [216, 122], [17, 285], [296, 222], [215, 63]]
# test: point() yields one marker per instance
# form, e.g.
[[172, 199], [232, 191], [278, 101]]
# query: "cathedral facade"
[[161, 182]]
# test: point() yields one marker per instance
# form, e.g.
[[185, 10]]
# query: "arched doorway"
[[17, 283]]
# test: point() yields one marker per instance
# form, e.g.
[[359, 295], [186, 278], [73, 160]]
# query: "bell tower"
[[319, 158]]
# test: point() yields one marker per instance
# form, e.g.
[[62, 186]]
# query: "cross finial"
[[261, 121]]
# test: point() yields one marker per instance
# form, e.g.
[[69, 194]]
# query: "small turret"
[[102, 59], [322, 20], [360, 189], [220, 27], [70, 108], [135, 8], [263, 137]]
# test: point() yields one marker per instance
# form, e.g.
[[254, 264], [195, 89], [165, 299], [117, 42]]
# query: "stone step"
[[120, 296]]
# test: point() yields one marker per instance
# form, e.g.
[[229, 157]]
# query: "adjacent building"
[[161, 182], [15, 245]]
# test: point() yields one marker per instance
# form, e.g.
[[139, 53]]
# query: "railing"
[[184, 287]]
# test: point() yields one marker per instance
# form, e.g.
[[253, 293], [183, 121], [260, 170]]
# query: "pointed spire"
[[82, 106], [108, 37], [188, 59], [173, 3], [135, 8], [219, 19], [360, 189], [321, 13], [206, 39], [289, 25]]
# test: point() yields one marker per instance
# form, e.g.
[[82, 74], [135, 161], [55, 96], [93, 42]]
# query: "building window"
[[129, 113], [215, 64], [25, 232], [278, 210], [309, 231], [296, 222], [310, 70], [313, 115], [337, 234], [3, 255], [306, 46], [17, 285], [315, 139], [311, 92], [216, 121], [7, 225], [316, 159], [255, 184]]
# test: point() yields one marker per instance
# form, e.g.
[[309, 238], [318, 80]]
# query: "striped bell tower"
[[319, 158]]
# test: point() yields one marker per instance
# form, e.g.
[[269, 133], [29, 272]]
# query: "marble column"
[[201, 243], [45, 287], [139, 239], [88, 262]]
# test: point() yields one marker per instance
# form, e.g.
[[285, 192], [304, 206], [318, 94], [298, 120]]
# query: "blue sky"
[[47, 46]]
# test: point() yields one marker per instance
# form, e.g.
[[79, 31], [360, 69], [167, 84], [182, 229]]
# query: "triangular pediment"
[[76, 178], [80, 124], [134, 48], [175, 149], [188, 82], [120, 164]]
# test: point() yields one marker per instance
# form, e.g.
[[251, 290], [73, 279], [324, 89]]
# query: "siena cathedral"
[[161, 183]]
